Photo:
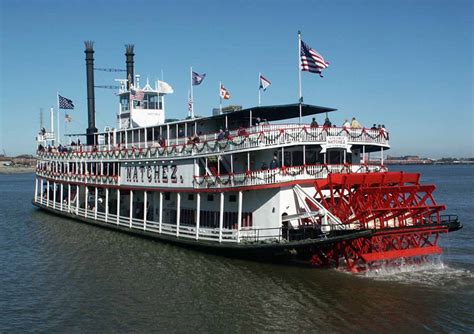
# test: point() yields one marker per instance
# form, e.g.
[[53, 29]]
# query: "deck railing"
[[280, 175], [245, 234], [80, 178], [250, 138]]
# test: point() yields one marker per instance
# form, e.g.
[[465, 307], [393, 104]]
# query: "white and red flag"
[[264, 83], [224, 93]]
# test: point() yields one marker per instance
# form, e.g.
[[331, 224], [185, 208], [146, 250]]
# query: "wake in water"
[[433, 272]]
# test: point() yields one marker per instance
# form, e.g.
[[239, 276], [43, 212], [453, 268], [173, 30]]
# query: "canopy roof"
[[274, 113]]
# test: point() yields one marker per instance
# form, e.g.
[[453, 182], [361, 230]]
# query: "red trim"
[[188, 190]]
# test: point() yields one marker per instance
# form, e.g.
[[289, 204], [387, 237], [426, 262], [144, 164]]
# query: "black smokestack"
[[90, 92], [129, 56]]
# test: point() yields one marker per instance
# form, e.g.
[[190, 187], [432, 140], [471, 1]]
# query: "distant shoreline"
[[16, 170]]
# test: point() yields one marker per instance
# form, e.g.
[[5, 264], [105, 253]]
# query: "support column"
[[77, 200], [36, 189], [178, 212], [61, 196], [239, 215], [47, 193], [41, 191], [68, 197], [144, 209], [198, 214], [131, 207], [221, 215], [363, 154], [160, 215], [118, 206], [106, 204], [86, 192], [381, 155], [54, 195], [95, 203]]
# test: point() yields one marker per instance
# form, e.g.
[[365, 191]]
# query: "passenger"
[[346, 124], [40, 148], [355, 124], [190, 141], [43, 131], [242, 131], [221, 135], [161, 142], [227, 134], [196, 139], [274, 162], [327, 123], [264, 166], [374, 127], [314, 124], [379, 127]]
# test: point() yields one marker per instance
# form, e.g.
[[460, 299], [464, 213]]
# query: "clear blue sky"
[[407, 64]]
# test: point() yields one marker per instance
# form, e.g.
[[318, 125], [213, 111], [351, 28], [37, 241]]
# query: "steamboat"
[[269, 188]]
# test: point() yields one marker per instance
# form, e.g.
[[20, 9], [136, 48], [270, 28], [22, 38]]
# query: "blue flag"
[[198, 78]]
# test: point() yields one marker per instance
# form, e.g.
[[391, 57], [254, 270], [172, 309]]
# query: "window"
[[190, 197], [210, 198], [232, 198], [167, 196]]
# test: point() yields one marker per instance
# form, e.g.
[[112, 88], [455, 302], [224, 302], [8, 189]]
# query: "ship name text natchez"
[[240, 182]]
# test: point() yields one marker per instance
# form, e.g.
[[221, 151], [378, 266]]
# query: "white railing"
[[281, 175], [79, 178], [254, 137]]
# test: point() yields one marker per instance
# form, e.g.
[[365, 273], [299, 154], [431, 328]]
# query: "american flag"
[[65, 103], [190, 104], [136, 94], [224, 93], [311, 60]]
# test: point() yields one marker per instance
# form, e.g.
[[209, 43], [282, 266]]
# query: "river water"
[[59, 275]]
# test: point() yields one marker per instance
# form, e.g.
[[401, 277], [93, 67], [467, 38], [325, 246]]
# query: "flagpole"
[[52, 120], [220, 98], [57, 101], [300, 96], [191, 112], [259, 89]]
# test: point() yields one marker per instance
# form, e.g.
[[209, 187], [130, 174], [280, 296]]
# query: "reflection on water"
[[60, 275]]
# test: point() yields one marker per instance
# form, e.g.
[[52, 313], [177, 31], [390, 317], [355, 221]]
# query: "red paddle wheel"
[[401, 213]]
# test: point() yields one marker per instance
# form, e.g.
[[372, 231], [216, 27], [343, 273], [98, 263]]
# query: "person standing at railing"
[[355, 124], [327, 123], [346, 124], [314, 124]]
